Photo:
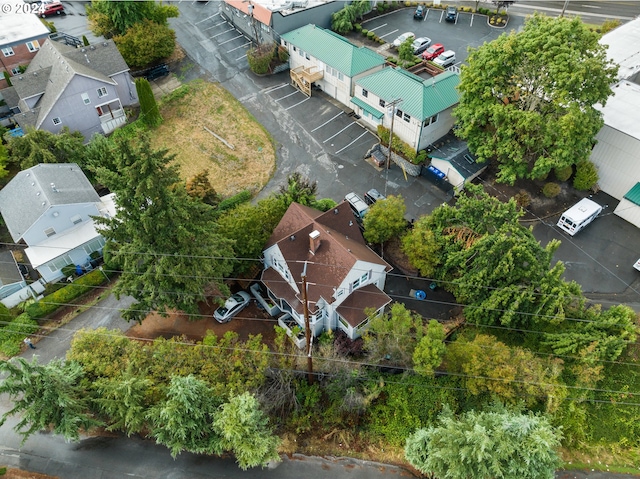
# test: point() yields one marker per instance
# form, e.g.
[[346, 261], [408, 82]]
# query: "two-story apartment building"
[[344, 276], [49, 207], [330, 61], [21, 36], [424, 112], [84, 89]]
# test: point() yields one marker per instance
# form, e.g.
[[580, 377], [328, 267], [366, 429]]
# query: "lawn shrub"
[[235, 200], [551, 190]]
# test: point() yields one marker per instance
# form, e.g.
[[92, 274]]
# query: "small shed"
[[451, 156]]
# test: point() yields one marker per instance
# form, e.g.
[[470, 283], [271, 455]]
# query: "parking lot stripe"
[[215, 25], [441, 15], [350, 124], [471, 24], [221, 33], [269, 90], [287, 96], [345, 147], [374, 29], [231, 39], [237, 48], [204, 20], [390, 33], [240, 58], [300, 102], [327, 122]]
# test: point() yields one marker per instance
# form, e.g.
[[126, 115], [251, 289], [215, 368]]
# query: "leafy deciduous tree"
[[527, 97], [146, 42], [385, 220], [299, 189], [405, 51], [42, 146], [108, 18], [486, 445], [199, 186], [429, 352], [342, 20]]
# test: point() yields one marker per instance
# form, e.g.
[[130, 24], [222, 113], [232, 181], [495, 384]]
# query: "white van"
[[358, 206], [579, 216]]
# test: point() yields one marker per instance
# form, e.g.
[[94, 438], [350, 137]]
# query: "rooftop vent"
[[53, 187], [105, 44], [92, 47], [335, 212], [84, 50], [292, 237]]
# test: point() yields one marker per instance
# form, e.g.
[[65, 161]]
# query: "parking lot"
[[469, 30]]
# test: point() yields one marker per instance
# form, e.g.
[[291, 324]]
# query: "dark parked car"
[[452, 14], [157, 72], [373, 195], [419, 15]]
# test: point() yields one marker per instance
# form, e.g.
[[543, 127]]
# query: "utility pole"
[[253, 22], [307, 327], [392, 106]]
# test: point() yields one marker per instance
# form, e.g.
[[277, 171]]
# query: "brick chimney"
[[314, 241]]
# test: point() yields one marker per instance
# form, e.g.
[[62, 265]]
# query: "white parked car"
[[420, 44], [447, 59], [232, 306], [401, 39]]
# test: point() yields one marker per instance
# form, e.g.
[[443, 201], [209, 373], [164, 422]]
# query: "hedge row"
[[63, 296], [235, 200]]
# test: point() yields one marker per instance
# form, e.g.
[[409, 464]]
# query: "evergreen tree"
[[167, 243], [149, 112]]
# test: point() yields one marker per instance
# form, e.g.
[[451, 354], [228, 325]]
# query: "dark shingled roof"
[[369, 296], [341, 248]]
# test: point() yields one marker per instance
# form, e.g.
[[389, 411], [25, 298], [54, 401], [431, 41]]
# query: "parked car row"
[[435, 53]]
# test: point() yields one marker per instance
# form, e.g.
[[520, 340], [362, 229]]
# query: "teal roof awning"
[[368, 108], [633, 194]]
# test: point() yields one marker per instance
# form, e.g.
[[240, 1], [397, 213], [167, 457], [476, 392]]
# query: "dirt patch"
[[207, 128], [251, 321], [19, 474]]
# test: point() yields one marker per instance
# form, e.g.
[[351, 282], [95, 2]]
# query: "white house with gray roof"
[[49, 207], [423, 115], [84, 89], [330, 61]]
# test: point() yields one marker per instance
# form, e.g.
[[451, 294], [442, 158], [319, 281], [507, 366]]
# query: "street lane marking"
[[331, 137], [326, 122], [308, 98], [344, 148]]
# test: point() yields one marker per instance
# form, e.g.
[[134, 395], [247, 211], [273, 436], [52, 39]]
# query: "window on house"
[[339, 292], [340, 76], [356, 283], [59, 263], [382, 103], [407, 118], [364, 277], [102, 91], [76, 219], [56, 120], [306, 55], [431, 120], [295, 49], [365, 93], [15, 71], [7, 52], [301, 53], [33, 46], [94, 245], [49, 232], [343, 323], [399, 113], [85, 99]]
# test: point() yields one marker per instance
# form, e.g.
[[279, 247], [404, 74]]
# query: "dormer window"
[[49, 232]]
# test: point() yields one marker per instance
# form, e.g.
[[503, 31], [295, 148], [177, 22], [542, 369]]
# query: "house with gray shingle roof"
[[423, 115], [84, 89], [49, 207], [344, 276], [333, 63]]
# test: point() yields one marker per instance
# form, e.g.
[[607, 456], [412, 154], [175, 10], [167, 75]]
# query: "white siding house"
[[49, 207], [344, 276]]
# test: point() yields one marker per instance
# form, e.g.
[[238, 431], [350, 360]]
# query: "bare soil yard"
[[208, 129]]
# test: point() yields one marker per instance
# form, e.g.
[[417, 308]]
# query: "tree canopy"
[[145, 42], [42, 146], [385, 220], [109, 18], [166, 243], [486, 445], [528, 97]]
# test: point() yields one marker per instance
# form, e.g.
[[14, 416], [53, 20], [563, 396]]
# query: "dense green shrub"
[[64, 296], [12, 334], [400, 147], [563, 174], [235, 200], [370, 35], [586, 176], [364, 32], [324, 204], [259, 59], [523, 199], [357, 27], [551, 190]]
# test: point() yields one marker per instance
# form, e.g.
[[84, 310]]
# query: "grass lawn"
[[192, 115]]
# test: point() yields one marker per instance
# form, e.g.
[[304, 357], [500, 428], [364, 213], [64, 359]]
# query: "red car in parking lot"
[[433, 51], [54, 8]]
